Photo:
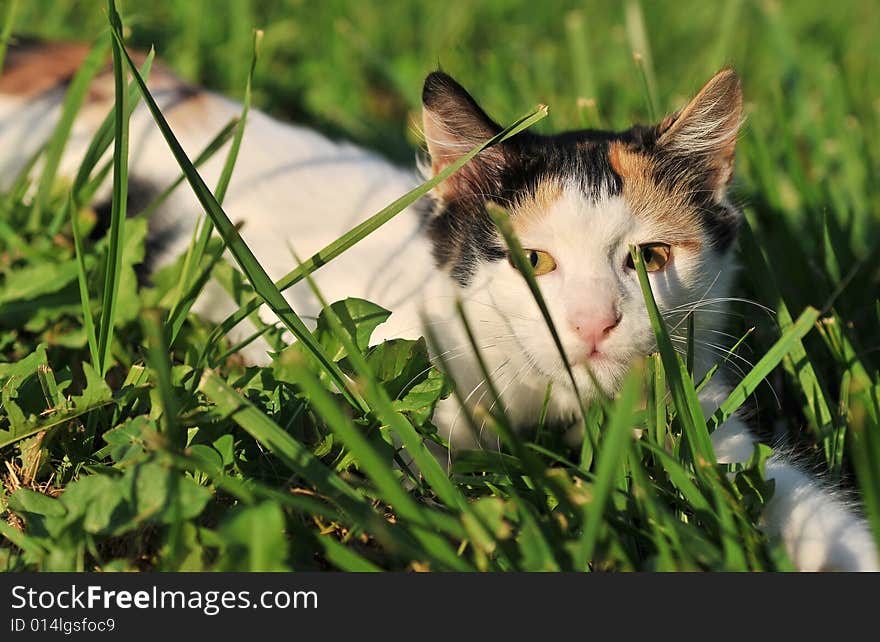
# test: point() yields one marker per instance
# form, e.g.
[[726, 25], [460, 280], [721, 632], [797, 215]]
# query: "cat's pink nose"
[[595, 329]]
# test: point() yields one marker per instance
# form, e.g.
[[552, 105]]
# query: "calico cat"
[[577, 201]]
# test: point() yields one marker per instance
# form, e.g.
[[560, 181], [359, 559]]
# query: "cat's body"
[[577, 202]]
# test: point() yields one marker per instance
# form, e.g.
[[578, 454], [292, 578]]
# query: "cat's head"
[[577, 201]]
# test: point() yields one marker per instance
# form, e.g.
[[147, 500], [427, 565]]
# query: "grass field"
[[117, 456]]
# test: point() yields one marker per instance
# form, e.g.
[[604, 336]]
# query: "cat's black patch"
[[721, 222]]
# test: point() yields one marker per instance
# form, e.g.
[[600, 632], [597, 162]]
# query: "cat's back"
[[293, 189]]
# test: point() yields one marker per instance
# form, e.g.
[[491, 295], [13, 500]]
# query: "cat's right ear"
[[698, 143], [454, 124]]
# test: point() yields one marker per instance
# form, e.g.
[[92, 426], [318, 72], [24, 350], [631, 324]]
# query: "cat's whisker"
[[502, 313], [483, 381], [700, 331], [515, 378], [466, 349], [719, 349], [461, 408], [711, 285], [682, 350], [492, 377], [717, 300], [666, 316]]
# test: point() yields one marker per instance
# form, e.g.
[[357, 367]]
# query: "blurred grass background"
[[356, 67]]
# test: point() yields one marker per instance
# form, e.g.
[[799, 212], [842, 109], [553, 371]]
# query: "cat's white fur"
[[294, 188]]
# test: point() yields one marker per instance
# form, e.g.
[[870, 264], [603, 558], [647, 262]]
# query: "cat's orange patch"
[[669, 210], [629, 165], [34, 70]]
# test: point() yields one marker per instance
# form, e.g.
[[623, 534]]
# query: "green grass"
[[130, 439]]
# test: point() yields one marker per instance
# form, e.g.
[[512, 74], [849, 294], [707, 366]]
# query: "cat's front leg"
[[820, 531]]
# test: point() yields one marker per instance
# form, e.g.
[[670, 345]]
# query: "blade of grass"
[[690, 345], [772, 358], [681, 478], [22, 541], [82, 186], [610, 457], [726, 33], [641, 50], [657, 400], [20, 184], [244, 343], [344, 558], [119, 200], [73, 101], [680, 384], [592, 429], [581, 65], [245, 258], [87, 193], [838, 438], [545, 408], [54, 399], [85, 301], [190, 287], [229, 165], [833, 332], [8, 438], [8, 23], [160, 364], [213, 146]]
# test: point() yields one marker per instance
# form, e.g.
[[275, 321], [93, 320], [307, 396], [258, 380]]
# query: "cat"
[[576, 200]]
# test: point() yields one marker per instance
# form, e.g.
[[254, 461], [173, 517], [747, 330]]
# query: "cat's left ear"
[[454, 124], [700, 140]]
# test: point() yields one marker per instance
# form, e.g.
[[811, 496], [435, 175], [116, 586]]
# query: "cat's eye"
[[541, 261], [654, 255]]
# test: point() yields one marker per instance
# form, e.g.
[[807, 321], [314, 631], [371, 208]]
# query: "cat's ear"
[[454, 124], [700, 140]]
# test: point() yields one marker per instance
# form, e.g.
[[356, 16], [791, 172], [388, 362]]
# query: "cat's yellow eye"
[[541, 261], [654, 255]]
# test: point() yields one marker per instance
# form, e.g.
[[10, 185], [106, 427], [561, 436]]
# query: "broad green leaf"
[[254, 539], [29, 501], [35, 280]]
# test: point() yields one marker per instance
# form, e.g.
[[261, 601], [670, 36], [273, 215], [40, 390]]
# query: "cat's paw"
[[855, 550], [852, 548], [820, 529]]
